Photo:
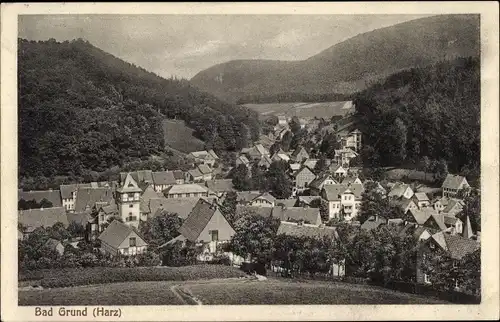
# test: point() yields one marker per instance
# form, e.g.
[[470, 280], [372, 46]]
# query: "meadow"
[[302, 110]]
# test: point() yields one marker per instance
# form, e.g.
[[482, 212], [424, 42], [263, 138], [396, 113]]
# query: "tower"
[[128, 201]]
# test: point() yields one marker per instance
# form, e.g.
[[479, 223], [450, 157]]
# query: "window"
[[215, 235], [131, 206], [131, 242], [431, 245], [426, 279]]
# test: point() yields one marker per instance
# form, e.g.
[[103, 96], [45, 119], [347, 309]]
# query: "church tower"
[[128, 201]]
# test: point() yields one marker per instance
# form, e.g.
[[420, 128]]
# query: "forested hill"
[[83, 109], [432, 111], [345, 67]]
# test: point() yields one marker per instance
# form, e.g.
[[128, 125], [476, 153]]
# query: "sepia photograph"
[[248, 159]]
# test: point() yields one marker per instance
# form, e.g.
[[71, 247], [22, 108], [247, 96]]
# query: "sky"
[[183, 45]]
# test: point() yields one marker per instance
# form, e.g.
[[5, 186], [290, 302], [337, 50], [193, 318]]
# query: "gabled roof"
[[54, 196], [303, 169], [455, 245], [453, 204], [267, 196], [350, 179], [149, 194], [333, 191], [212, 153], [195, 173], [139, 176], [180, 206], [309, 215], [449, 220], [300, 150], [373, 222], [265, 160], [43, 217], [186, 188], [247, 196], [220, 185], [438, 219], [243, 159], [318, 182], [163, 178], [178, 174], [453, 181], [204, 169], [311, 163], [81, 218], [305, 230], [198, 219], [308, 199], [86, 198], [334, 167], [402, 203], [116, 233], [421, 196], [422, 215], [261, 149], [129, 185], [68, 189], [398, 190]]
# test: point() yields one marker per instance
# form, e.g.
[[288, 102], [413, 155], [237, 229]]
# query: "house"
[[263, 200], [373, 223], [219, 187], [352, 140], [300, 154], [54, 196], [54, 245], [86, 198], [257, 152], [312, 231], [122, 239], [282, 120], [344, 201], [319, 182], [205, 225], [242, 160], [453, 207], [418, 233], [349, 179], [35, 218], [204, 157], [401, 190], [180, 206], [128, 199], [201, 173], [310, 163], [379, 188], [162, 180], [454, 246], [186, 191], [265, 162], [405, 204], [295, 166], [421, 199], [97, 221], [69, 193], [179, 176], [344, 156], [303, 177], [305, 201], [337, 170], [290, 202], [453, 224], [297, 214], [139, 176], [246, 197], [453, 184], [280, 155], [420, 216]]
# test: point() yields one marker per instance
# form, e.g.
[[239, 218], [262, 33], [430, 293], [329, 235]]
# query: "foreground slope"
[[344, 67], [82, 109]]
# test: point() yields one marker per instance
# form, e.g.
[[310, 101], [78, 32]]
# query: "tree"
[[321, 165], [254, 237], [161, 228], [44, 203], [441, 170], [295, 125], [148, 258], [425, 165], [241, 180], [76, 229], [298, 139], [469, 277], [228, 207], [329, 144], [472, 209], [286, 141], [280, 184], [258, 178], [356, 162]]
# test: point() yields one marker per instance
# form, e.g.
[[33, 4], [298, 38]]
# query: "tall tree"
[[228, 207], [161, 228], [241, 180]]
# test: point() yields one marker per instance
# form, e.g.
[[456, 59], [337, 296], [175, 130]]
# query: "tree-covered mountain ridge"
[[83, 109], [432, 112], [346, 67]]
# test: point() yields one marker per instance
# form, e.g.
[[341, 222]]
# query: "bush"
[[52, 278]]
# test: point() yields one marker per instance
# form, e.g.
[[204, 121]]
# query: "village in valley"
[[173, 193]]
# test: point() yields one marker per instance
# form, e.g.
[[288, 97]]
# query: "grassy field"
[[180, 137], [321, 110], [219, 292]]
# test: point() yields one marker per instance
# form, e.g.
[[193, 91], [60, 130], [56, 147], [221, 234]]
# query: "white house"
[[122, 239], [453, 184], [344, 201]]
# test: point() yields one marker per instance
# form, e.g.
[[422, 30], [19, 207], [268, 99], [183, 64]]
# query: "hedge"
[[102, 275]]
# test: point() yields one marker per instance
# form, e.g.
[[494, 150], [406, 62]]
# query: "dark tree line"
[[293, 97], [431, 112], [81, 110]]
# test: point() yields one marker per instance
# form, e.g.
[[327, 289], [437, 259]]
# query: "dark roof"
[[247, 196], [349, 179], [452, 181], [116, 233], [373, 223], [54, 196], [68, 189], [305, 230], [309, 215], [398, 189], [308, 199], [178, 174], [43, 217], [261, 211], [267, 196], [197, 220], [299, 150], [163, 178], [319, 180], [180, 206], [79, 218], [139, 176], [87, 197], [303, 168], [204, 169], [455, 245], [220, 185], [421, 196], [422, 215]]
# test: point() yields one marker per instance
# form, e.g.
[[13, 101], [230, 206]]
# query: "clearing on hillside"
[[306, 110], [180, 137]]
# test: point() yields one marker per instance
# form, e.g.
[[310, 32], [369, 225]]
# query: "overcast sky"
[[183, 45]]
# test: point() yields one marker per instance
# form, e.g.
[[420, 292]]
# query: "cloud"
[[194, 50]]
